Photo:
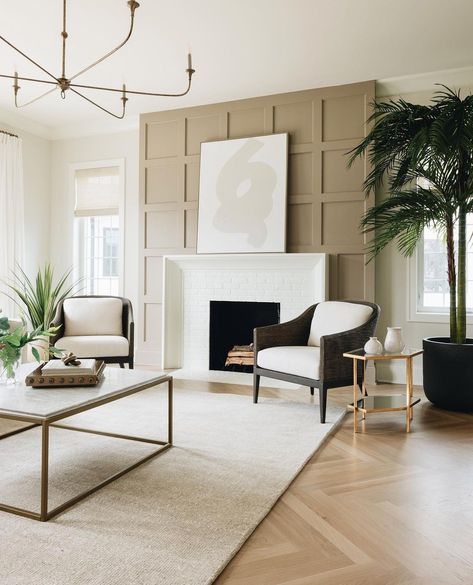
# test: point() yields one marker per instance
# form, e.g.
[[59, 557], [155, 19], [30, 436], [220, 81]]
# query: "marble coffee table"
[[46, 407]]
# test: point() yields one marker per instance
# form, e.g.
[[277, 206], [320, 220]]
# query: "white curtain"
[[11, 215]]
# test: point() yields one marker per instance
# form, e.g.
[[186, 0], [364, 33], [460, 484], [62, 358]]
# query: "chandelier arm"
[[26, 57], [29, 79], [40, 97], [127, 38], [99, 106], [148, 93]]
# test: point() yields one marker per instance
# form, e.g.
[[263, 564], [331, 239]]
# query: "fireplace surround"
[[296, 281]]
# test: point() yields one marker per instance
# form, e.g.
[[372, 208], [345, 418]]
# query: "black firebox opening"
[[231, 324]]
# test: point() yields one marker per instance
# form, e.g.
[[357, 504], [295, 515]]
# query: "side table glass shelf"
[[382, 403]]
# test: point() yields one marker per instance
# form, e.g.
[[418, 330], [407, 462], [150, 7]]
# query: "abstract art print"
[[243, 195]]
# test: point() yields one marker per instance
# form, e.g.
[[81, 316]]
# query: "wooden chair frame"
[[128, 329], [335, 370]]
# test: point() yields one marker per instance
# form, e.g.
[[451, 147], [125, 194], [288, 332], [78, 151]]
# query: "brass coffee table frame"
[[359, 355], [45, 422]]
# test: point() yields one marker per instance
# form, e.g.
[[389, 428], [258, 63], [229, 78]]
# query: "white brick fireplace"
[[191, 282]]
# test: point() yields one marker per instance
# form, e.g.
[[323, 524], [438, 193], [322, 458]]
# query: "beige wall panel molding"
[[162, 183], [350, 285], [201, 129], [299, 229], [162, 229], [153, 323], [343, 117], [354, 196], [297, 120], [192, 173], [162, 139], [246, 122], [336, 177], [191, 228], [325, 200], [341, 223], [301, 176], [153, 281]]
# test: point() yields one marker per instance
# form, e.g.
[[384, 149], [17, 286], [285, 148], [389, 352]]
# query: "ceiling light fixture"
[[65, 83]]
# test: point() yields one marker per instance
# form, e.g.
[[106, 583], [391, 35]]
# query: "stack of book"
[[59, 368], [241, 355]]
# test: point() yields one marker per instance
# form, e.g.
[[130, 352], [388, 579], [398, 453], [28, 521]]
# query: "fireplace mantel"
[[190, 282]]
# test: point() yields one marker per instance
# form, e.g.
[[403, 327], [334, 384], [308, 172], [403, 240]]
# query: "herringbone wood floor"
[[381, 508]]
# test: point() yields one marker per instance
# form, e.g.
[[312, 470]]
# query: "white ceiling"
[[241, 48]]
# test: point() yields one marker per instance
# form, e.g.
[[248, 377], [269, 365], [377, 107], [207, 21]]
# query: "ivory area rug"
[[176, 520]]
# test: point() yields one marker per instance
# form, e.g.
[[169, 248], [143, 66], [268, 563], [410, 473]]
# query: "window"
[[97, 229], [433, 291]]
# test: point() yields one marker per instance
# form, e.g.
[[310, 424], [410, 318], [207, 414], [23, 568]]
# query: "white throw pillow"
[[92, 316], [335, 317]]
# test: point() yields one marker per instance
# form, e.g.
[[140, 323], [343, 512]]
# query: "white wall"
[[392, 284], [123, 145], [36, 176]]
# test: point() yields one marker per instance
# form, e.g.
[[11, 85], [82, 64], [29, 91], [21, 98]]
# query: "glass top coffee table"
[[46, 407], [382, 403]]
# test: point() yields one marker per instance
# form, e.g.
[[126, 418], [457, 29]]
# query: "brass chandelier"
[[65, 83]]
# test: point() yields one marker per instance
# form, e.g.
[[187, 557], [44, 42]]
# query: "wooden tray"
[[36, 379]]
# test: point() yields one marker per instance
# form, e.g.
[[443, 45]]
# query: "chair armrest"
[[333, 366], [131, 331], [294, 332]]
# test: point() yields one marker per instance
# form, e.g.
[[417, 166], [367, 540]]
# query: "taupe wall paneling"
[[325, 199]]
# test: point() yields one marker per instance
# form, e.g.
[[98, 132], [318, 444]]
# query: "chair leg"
[[311, 391], [122, 365], [323, 403], [256, 378]]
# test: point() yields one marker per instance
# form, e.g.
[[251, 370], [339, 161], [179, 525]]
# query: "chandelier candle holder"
[[65, 83]]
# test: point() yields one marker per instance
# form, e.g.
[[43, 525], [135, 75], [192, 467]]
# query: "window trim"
[[414, 282], [73, 167]]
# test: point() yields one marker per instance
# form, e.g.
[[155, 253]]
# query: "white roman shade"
[[97, 191]]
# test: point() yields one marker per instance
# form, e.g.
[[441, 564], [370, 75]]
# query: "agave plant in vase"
[[38, 299], [11, 344]]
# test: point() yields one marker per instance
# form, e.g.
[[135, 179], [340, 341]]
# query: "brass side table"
[[382, 403]]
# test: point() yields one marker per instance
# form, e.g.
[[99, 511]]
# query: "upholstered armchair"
[[309, 349], [99, 327]]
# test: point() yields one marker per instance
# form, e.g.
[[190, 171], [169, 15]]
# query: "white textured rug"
[[176, 520]]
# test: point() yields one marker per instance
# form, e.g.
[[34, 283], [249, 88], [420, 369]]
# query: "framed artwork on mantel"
[[243, 195]]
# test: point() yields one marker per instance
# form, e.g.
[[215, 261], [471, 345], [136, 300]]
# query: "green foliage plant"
[[39, 298], [12, 342], [425, 153]]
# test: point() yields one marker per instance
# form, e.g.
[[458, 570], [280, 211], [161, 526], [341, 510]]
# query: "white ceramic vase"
[[393, 342], [373, 346]]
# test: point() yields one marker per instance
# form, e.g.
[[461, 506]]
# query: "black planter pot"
[[448, 373]]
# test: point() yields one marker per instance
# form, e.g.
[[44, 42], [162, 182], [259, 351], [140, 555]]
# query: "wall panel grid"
[[325, 198]]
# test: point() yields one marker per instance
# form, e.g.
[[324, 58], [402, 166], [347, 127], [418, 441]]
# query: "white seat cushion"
[[92, 316], [300, 360], [336, 316], [95, 345]]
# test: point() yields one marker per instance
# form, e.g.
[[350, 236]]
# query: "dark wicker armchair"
[[95, 326], [298, 355]]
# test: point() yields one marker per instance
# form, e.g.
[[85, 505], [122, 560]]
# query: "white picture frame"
[[243, 195]]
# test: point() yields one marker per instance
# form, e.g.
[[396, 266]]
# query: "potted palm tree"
[[425, 152]]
